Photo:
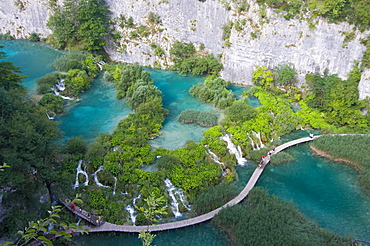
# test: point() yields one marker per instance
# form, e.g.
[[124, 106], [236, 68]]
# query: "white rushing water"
[[96, 178], [60, 86], [115, 185], [50, 114], [131, 209], [258, 136], [234, 150], [174, 192], [80, 171], [214, 157]]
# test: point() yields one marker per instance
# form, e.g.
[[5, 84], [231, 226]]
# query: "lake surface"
[[325, 191]]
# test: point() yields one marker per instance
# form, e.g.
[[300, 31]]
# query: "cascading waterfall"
[[172, 192], [233, 150], [131, 209], [115, 185], [214, 157], [96, 178], [258, 136], [50, 114], [252, 142], [80, 171], [60, 86]]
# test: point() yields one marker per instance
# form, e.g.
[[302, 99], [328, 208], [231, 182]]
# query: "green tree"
[[82, 25], [77, 81], [284, 74], [52, 102], [10, 76], [155, 206], [239, 111]]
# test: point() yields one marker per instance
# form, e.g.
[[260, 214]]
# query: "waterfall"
[[79, 170], [50, 114], [214, 157], [115, 185], [258, 136], [67, 98], [60, 86], [96, 178], [131, 209], [172, 192], [56, 92], [252, 142], [234, 151]]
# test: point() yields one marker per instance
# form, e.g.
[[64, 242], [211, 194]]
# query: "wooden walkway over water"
[[108, 227], [85, 215]]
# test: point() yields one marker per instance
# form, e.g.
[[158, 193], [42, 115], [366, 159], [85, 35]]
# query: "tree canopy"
[[82, 25]]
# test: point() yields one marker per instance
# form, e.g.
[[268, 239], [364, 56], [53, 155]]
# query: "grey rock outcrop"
[[23, 17], [266, 39], [364, 85]]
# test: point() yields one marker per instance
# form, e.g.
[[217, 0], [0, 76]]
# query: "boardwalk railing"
[[107, 227], [97, 221]]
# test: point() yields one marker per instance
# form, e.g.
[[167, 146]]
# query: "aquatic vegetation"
[[272, 221], [351, 148]]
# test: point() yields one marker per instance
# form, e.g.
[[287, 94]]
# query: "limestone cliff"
[[262, 39]]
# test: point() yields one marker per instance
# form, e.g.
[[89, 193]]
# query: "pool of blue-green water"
[[34, 59], [325, 191]]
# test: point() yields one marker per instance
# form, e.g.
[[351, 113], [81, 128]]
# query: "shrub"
[[34, 37]]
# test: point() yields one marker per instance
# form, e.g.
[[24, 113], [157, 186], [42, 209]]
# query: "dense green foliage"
[[52, 102], [10, 76], [281, 76], [354, 12], [266, 220], [34, 37], [337, 98], [202, 118], [81, 25], [187, 60], [239, 112], [45, 83], [351, 148], [213, 90], [27, 145], [71, 60], [214, 197], [79, 70]]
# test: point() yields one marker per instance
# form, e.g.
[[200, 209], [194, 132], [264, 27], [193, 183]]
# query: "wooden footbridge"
[[108, 227]]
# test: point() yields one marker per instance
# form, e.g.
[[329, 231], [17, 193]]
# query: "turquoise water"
[[204, 234], [174, 87], [324, 191], [98, 111], [34, 59]]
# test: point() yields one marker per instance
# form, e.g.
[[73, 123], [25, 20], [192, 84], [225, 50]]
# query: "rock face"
[[23, 17], [262, 38], [364, 85]]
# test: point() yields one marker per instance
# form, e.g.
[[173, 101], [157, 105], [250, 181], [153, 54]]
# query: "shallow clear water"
[[177, 99], [98, 111], [204, 234], [325, 191], [34, 59]]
